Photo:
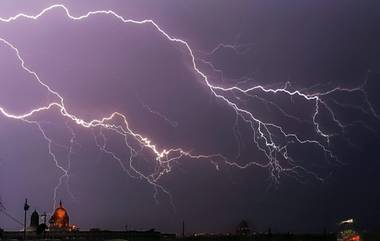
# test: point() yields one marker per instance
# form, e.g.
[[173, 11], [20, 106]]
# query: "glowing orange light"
[[356, 238]]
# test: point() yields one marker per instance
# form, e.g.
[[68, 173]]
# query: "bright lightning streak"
[[263, 132]]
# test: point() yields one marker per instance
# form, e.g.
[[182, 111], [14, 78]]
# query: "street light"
[[26, 208]]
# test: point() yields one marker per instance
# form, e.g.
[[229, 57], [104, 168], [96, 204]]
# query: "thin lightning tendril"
[[263, 132]]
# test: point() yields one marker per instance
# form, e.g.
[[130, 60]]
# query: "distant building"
[[34, 220], [347, 231], [243, 228], [60, 219]]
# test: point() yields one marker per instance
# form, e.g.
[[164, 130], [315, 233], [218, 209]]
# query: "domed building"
[[60, 218]]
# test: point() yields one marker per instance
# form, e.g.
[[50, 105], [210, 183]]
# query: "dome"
[[60, 218]]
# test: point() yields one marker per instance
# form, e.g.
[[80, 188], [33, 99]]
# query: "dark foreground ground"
[[282, 237], [157, 236]]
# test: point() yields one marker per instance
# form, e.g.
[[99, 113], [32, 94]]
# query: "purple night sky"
[[284, 133]]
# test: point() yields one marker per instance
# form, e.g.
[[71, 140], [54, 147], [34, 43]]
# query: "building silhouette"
[[243, 228], [59, 219], [34, 220]]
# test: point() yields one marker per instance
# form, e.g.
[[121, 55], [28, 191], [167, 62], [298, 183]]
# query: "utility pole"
[[26, 208]]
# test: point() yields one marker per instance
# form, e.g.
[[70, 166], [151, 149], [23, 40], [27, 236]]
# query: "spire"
[[60, 203]]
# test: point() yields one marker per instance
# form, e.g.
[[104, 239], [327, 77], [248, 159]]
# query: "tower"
[[34, 220]]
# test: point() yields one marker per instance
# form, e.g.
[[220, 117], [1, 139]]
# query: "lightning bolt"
[[271, 139]]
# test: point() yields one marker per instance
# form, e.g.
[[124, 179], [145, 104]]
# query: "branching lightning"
[[263, 133]]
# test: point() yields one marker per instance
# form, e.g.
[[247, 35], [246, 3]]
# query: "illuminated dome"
[[60, 218]]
